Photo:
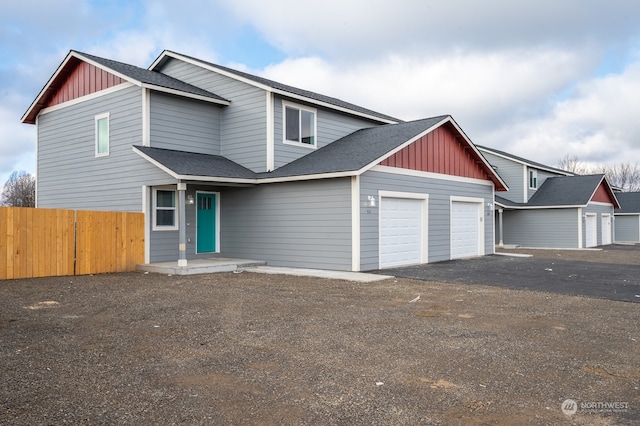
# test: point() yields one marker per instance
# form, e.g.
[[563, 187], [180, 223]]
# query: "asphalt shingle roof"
[[151, 77], [629, 202], [566, 191], [294, 90], [351, 153], [194, 164], [356, 150]]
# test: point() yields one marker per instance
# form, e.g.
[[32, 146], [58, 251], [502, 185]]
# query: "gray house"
[[627, 217], [548, 207], [227, 164]]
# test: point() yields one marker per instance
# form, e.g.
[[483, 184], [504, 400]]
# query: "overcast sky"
[[540, 79]]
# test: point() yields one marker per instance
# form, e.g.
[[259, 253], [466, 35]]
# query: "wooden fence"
[[53, 242]]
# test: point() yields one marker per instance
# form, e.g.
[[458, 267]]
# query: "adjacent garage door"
[[465, 229], [401, 231], [591, 233]]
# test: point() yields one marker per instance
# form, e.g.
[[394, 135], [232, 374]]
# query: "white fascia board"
[[626, 214], [430, 175], [66, 60], [85, 98], [540, 207], [253, 83], [332, 106], [526, 163], [185, 94], [475, 149], [46, 86], [307, 177]]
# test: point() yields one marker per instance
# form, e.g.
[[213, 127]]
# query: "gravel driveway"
[[270, 349]]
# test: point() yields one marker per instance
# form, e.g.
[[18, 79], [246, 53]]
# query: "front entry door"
[[206, 223]]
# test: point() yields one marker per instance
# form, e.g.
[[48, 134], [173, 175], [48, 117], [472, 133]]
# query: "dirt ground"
[[618, 254], [252, 348]]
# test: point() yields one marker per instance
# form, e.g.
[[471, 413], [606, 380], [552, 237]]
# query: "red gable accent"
[[602, 195], [439, 151], [83, 79]]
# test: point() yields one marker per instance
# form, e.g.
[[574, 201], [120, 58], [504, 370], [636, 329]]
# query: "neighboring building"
[[550, 208], [224, 163], [627, 217]]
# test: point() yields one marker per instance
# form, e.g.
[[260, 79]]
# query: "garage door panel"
[[465, 229], [400, 231]]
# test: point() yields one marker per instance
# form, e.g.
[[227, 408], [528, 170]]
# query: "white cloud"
[[598, 123], [364, 28]]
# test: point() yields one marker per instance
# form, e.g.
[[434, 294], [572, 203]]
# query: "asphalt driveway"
[[602, 280]]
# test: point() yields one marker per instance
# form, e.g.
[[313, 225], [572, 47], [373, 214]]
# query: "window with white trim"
[[165, 215], [102, 135], [533, 179], [299, 124]]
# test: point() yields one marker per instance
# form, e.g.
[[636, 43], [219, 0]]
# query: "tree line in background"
[[19, 190], [625, 176]]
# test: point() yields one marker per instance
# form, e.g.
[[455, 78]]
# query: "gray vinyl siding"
[[331, 126], [598, 209], [513, 175], [439, 215], [548, 228], [243, 124], [184, 124], [303, 224], [627, 228], [68, 173]]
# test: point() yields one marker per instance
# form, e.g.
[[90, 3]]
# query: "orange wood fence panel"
[[35, 242], [108, 241], [45, 242]]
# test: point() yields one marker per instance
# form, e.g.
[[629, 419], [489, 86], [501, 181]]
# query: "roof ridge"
[[291, 89]]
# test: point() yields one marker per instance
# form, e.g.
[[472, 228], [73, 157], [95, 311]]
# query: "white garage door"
[[606, 229], [400, 232], [591, 239], [465, 229]]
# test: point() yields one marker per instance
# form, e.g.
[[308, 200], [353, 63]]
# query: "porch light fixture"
[[190, 199], [371, 201]]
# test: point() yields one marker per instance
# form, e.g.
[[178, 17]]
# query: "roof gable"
[[80, 79], [442, 150], [604, 195], [81, 74]]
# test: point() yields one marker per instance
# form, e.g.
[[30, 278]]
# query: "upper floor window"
[[102, 135], [164, 210], [299, 124], [533, 179]]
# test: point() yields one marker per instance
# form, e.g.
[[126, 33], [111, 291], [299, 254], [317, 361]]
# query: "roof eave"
[[186, 94]]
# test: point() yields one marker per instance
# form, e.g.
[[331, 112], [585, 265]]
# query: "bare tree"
[[19, 190], [623, 175], [572, 164]]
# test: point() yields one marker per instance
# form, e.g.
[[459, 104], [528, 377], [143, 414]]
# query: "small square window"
[[299, 125], [164, 210], [102, 135]]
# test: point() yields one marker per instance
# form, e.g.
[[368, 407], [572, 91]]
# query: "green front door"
[[206, 223]]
